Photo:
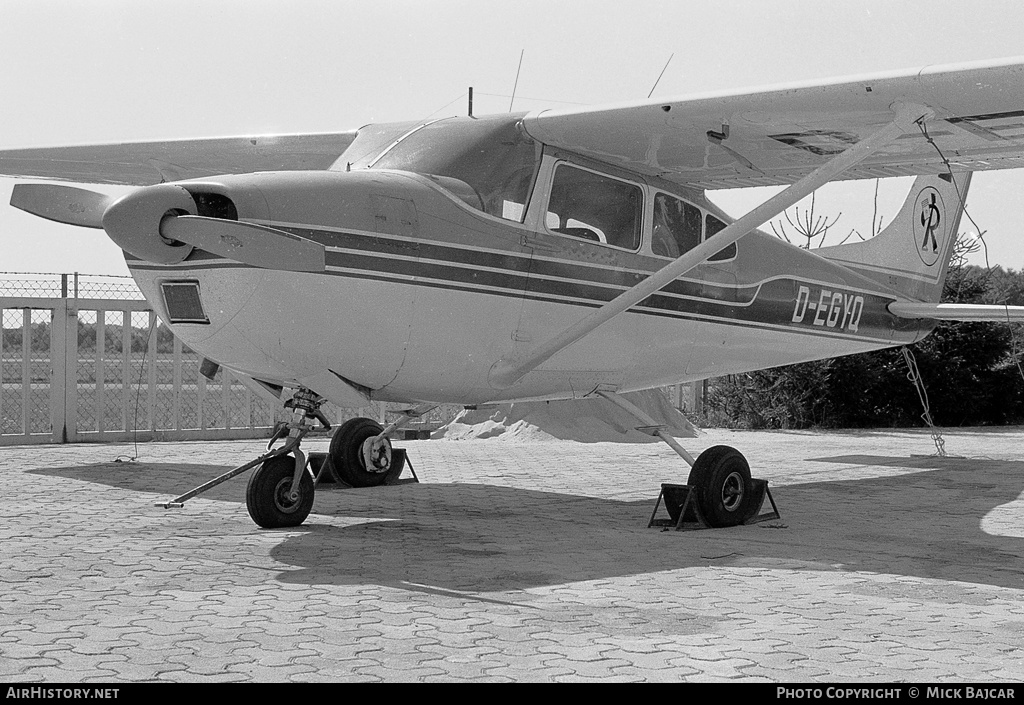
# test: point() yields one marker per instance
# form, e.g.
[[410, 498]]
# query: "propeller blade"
[[64, 204], [255, 245]]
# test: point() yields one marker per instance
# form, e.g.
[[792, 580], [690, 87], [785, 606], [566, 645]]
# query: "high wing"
[[777, 135], [147, 163], [767, 136]]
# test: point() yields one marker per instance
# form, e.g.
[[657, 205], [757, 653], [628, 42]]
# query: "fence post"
[[26, 369], [58, 367], [151, 348], [101, 350], [126, 372], [176, 404], [71, 371]]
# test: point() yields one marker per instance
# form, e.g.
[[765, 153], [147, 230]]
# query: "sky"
[[76, 72]]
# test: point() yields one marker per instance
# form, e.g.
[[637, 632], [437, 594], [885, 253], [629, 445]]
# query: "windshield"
[[492, 156]]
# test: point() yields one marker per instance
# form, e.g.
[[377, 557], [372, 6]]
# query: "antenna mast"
[[660, 75], [516, 85]]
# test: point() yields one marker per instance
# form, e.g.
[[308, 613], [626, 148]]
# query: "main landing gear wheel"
[[359, 457], [721, 480], [268, 495]]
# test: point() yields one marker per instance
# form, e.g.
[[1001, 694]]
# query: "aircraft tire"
[[720, 477], [346, 452], [266, 497]]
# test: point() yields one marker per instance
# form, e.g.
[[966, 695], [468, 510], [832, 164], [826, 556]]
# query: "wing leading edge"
[[148, 163], [777, 135]]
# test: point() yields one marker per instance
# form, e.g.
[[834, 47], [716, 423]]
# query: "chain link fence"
[[69, 286]]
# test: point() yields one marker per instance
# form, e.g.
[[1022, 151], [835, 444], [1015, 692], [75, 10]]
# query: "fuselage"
[[457, 244]]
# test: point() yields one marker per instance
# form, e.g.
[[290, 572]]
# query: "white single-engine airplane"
[[546, 255]]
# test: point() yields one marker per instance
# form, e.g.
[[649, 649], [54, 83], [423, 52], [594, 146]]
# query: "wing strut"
[[507, 372]]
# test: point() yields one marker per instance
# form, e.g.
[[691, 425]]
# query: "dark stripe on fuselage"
[[524, 264], [381, 258]]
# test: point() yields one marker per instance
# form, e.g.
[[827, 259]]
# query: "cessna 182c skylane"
[[546, 255]]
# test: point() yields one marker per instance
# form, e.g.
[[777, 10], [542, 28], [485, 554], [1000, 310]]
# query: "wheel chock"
[[685, 515], [399, 459], [323, 469], [761, 491], [320, 465]]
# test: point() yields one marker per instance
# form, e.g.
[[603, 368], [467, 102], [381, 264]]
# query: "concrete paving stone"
[[53, 674], [27, 663], [658, 661], [510, 648], [188, 676], [222, 629], [135, 671], [570, 640], [17, 651], [654, 673], [210, 664], [464, 670], [653, 644], [722, 667], [448, 678], [576, 652], [346, 637], [412, 674], [372, 649], [533, 674], [473, 654], [337, 671], [271, 657]]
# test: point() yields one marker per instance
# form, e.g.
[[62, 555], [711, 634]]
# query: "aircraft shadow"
[[948, 519]]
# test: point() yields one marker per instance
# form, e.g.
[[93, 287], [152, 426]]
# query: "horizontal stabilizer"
[[64, 204], [244, 242], [957, 312]]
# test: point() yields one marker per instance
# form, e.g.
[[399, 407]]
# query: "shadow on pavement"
[[937, 523]]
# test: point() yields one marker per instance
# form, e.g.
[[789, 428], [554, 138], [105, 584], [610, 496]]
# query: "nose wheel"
[[270, 499], [280, 492]]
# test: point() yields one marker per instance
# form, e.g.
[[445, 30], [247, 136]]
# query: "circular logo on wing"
[[930, 226]]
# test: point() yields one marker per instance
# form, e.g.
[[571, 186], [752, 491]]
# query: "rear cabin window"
[[713, 226], [488, 163], [595, 207], [679, 226]]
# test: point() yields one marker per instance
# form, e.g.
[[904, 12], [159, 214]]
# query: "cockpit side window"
[[592, 206], [677, 226]]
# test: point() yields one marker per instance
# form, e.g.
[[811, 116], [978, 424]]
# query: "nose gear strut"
[[279, 493]]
